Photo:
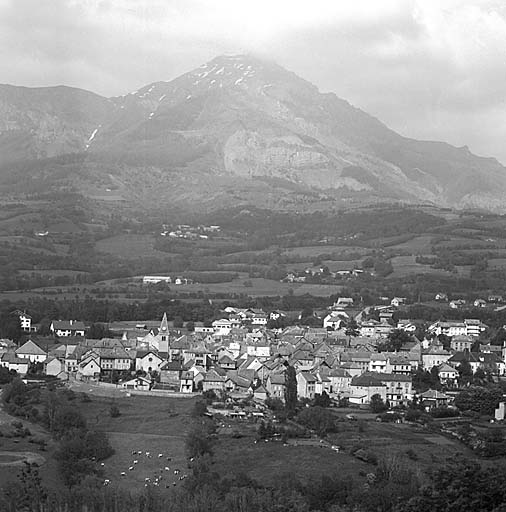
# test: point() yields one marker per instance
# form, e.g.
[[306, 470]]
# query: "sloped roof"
[[173, 366], [68, 325], [433, 394], [30, 348], [277, 378], [212, 376], [444, 367], [308, 377], [226, 360], [339, 372], [10, 357], [366, 380]]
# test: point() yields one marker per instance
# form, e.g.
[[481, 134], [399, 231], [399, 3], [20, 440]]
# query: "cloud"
[[428, 68]]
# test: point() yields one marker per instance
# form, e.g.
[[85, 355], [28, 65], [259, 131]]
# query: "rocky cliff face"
[[45, 122], [242, 119]]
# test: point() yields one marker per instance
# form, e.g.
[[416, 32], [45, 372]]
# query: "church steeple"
[[164, 325]]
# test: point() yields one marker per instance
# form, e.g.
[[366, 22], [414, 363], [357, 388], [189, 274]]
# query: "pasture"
[[155, 427], [406, 265], [130, 246]]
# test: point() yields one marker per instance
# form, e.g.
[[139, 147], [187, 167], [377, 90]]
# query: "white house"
[[65, 328], [53, 366], [333, 321], [25, 321], [89, 367], [222, 327], [139, 383], [10, 361], [259, 319], [148, 361], [32, 352], [306, 384]]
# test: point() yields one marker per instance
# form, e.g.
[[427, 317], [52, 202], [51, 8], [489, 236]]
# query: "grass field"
[[417, 245], [150, 425], [130, 246], [497, 263], [406, 265], [266, 462], [316, 250]]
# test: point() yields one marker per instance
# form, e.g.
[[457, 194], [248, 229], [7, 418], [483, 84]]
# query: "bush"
[[444, 412], [377, 404], [199, 409], [389, 417], [413, 415], [317, 418], [365, 456], [411, 454], [198, 443], [114, 411], [275, 404]]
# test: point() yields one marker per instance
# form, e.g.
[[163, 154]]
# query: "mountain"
[[237, 130]]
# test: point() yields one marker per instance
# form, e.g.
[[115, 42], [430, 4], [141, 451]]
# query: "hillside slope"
[[237, 130]]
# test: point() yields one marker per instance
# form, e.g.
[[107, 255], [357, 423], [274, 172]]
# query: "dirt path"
[[8, 458]]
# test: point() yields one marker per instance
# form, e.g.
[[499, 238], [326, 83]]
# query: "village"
[[352, 358]]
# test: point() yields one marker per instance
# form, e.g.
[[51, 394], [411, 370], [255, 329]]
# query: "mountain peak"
[[246, 123]]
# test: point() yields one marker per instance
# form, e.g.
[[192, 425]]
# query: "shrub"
[[413, 415], [411, 454], [389, 417], [114, 411], [444, 412]]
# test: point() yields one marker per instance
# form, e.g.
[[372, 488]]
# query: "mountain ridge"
[[245, 119]]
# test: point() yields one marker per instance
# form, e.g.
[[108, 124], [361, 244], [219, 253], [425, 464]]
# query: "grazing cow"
[[107, 482], [131, 468], [160, 455], [136, 461], [123, 473]]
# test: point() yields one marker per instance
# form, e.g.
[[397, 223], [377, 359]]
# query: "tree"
[[67, 420], [199, 408], [322, 400], [396, 339], [377, 404], [352, 328], [98, 331], [178, 322], [198, 442], [462, 484], [465, 373], [479, 399], [317, 418], [10, 326], [290, 390]]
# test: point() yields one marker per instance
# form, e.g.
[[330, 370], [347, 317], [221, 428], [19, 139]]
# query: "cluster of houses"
[[311, 272], [238, 355], [190, 232], [477, 303], [177, 280]]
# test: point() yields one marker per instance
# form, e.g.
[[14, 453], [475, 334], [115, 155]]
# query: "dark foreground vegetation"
[[459, 485]]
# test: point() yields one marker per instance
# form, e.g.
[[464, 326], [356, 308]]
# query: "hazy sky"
[[430, 69]]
